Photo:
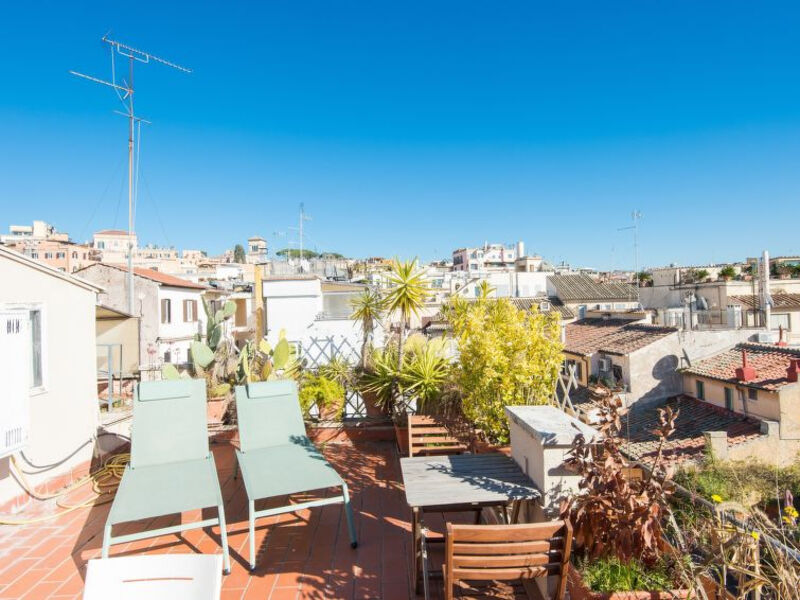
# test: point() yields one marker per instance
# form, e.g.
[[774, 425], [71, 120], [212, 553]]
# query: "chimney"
[[745, 372], [781, 342], [794, 370]]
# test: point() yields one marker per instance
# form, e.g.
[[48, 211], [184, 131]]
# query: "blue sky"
[[411, 128]]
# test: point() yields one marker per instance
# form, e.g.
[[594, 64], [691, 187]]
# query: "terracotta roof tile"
[[582, 287], [687, 443], [614, 336], [770, 363], [785, 301]]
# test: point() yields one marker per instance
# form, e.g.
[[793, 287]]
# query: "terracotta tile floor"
[[301, 555]]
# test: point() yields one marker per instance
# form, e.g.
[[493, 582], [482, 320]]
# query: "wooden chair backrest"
[[508, 552], [429, 436]]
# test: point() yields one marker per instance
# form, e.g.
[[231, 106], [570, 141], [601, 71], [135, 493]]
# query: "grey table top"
[[464, 479]]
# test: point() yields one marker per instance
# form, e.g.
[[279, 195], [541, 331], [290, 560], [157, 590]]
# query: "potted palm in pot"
[[368, 309]]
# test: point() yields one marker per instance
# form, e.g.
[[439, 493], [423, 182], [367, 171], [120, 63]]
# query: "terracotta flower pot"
[[401, 434], [332, 411], [216, 407], [371, 405]]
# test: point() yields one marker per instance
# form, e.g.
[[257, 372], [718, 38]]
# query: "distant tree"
[[699, 275], [238, 253], [295, 253], [727, 272], [644, 278]]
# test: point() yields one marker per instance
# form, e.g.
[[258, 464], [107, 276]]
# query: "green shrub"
[[609, 575], [507, 356], [319, 390]]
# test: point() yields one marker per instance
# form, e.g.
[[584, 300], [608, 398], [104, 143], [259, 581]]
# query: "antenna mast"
[[303, 218], [125, 94], [636, 216]]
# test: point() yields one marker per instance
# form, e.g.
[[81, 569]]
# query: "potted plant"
[[380, 381], [727, 273], [368, 310], [324, 393], [617, 520]]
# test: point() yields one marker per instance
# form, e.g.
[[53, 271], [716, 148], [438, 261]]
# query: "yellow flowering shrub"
[[507, 356]]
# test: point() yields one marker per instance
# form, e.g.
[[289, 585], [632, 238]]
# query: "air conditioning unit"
[[767, 337], [604, 364], [15, 356]]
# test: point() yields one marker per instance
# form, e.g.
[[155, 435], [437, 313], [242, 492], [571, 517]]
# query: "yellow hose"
[[104, 482]]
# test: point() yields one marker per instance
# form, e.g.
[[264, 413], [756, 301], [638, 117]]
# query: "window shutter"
[[194, 310], [185, 311]]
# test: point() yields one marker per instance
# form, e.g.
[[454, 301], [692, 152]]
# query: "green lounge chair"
[[277, 458], [171, 469]]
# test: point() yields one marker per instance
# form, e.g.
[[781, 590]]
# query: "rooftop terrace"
[[305, 554]]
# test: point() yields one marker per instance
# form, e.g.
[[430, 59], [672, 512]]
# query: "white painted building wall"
[[64, 412], [296, 306], [177, 336]]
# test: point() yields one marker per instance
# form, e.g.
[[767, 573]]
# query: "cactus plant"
[[262, 362]]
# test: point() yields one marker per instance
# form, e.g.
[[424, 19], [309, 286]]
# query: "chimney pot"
[[745, 372], [794, 370]]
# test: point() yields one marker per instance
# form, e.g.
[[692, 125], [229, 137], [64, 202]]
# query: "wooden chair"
[[507, 553], [428, 436]]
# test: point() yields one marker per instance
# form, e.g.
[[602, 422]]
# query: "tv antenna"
[[303, 218], [124, 90], [636, 216]]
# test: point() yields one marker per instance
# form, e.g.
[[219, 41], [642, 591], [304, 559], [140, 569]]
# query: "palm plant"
[[406, 296], [484, 289], [426, 372], [382, 377], [367, 309]]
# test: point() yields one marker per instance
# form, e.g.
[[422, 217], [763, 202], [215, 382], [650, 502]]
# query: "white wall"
[[63, 415], [178, 335]]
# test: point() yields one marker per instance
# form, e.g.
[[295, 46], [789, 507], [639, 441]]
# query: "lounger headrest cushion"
[[164, 390], [270, 389]]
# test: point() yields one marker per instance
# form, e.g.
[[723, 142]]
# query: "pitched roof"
[[111, 232], [48, 270], [612, 336], [583, 287], [337, 286], [688, 442], [555, 304], [770, 363], [785, 301], [152, 275]]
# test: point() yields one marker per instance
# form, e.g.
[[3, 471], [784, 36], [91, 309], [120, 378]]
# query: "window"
[[189, 311], [728, 398], [752, 394], [48, 255], [75, 255], [101, 245], [582, 311], [701, 389], [60, 255], [166, 310], [37, 366], [776, 321]]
